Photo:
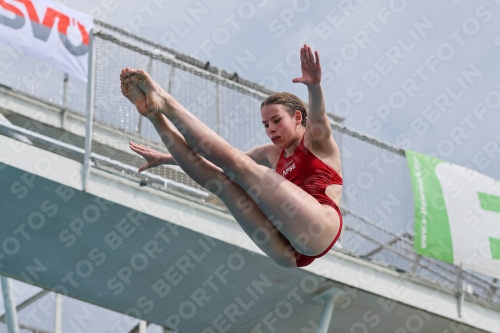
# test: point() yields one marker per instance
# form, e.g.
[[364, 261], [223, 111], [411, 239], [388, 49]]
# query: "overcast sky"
[[423, 75]]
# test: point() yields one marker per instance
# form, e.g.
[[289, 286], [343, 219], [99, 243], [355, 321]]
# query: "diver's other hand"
[[153, 158], [310, 66]]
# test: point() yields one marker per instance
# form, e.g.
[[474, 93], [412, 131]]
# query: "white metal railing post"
[[65, 100], [90, 111], [218, 114], [143, 326], [329, 297], [326, 314], [171, 79], [461, 291], [58, 314], [10, 306]]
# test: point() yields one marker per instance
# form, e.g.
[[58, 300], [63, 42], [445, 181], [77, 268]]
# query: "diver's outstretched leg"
[[248, 215]]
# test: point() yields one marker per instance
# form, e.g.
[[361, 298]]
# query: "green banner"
[[432, 227], [457, 214]]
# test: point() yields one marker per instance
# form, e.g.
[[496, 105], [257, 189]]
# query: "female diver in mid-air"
[[286, 194]]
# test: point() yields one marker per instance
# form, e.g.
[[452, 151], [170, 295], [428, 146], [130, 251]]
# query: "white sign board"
[[48, 31], [457, 214]]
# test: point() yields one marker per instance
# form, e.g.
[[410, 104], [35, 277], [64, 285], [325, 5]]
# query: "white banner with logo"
[[48, 31], [457, 214]]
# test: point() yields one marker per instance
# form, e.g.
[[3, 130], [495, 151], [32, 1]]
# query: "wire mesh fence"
[[377, 198], [40, 79]]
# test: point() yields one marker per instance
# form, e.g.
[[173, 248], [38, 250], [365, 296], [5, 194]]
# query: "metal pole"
[[329, 298], [327, 313], [461, 299], [414, 264], [461, 291], [143, 325], [10, 306], [218, 103], [58, 314], [65, 100], [171, 79], [90, 111]]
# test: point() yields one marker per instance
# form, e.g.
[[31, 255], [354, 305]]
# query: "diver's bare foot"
[[135, 95], [154, 93]]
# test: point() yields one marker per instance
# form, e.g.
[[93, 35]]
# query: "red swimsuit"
[[313, 176]]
